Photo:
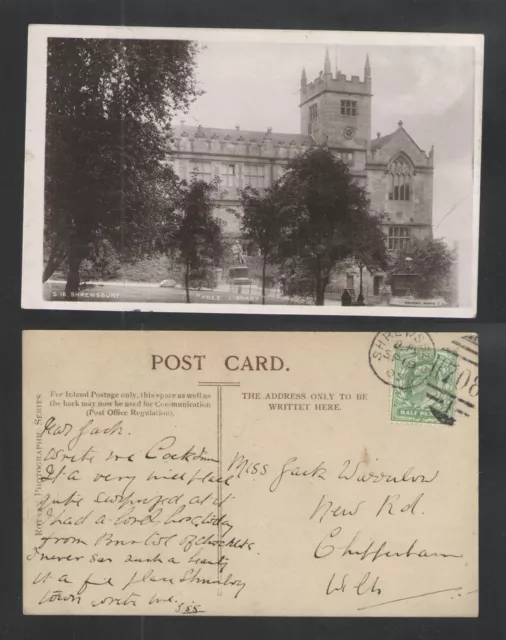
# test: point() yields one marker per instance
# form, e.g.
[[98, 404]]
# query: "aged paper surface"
[[296, 474]]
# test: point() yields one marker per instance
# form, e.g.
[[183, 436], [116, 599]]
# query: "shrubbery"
[[153, 269], [102, 263]]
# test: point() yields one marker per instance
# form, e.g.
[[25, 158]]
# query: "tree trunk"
[[360, 299], [54, 261], [264, 266], [73, 279], [320, 292], [320, 285], [77, 251], [187, 283], [320, 288]]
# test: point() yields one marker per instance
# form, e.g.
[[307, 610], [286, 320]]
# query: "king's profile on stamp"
[[424, 380]]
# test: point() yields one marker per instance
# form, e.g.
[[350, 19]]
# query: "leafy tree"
[[370, 247], [430, 260], [196, 235], [326, 211], [102, 263], [262, 223], [297, 280], [109, 108]]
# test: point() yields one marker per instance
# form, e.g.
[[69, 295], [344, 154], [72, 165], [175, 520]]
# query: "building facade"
[[335, 111]]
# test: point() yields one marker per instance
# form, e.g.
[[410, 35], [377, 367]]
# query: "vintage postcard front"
[[196, 170], [271, 474]]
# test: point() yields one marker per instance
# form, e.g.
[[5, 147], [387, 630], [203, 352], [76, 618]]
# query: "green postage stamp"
[[424, 385]]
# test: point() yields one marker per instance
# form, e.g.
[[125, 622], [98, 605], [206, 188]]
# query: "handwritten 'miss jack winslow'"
[[250, 474]]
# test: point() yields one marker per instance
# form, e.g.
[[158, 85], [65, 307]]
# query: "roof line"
[[388, 136], [416, 145]]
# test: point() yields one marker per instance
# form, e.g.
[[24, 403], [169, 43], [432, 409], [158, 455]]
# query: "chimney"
[[237, 127]]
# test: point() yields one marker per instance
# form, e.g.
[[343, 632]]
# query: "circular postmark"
[[411, 348]]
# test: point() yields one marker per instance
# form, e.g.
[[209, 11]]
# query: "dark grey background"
[[456, 16]]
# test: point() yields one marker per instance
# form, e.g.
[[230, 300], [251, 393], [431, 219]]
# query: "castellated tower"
[[336, 112]]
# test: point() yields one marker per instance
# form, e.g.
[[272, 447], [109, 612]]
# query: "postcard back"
[[296, 474]]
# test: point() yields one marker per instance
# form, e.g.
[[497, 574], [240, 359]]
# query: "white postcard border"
[[33, 214]]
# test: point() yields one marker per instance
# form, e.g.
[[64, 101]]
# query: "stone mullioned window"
[[400, 177]]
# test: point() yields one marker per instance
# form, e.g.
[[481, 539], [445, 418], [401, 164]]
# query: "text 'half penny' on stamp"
[[424, 389]]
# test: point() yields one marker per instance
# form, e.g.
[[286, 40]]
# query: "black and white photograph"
[[285, 172]]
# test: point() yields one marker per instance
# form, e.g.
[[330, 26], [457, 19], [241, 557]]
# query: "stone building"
[[335, 111]]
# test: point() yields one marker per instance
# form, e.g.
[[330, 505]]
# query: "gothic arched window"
[[400, 175], [313, 115]]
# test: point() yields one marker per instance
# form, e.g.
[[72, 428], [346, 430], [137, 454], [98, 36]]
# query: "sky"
[[431, 89]]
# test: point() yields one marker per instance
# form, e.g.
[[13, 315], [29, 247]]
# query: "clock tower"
[[336, 112]]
